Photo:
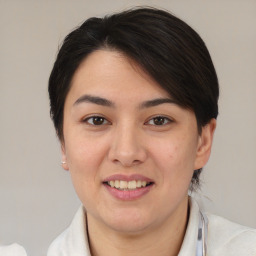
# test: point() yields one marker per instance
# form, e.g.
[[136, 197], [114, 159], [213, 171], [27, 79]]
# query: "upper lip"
[[127, 177]]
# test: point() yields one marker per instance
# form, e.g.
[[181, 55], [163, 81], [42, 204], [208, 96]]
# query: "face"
[[130, 149]]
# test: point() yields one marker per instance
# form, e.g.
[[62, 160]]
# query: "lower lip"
[[128, 195]]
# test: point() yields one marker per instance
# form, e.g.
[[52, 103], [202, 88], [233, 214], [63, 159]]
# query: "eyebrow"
[[156, 102], [105, 102], [94, 99]]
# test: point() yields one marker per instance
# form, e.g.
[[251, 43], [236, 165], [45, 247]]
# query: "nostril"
[[126, 153], [126, 162]]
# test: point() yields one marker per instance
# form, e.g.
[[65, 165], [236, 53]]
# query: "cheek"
[[176, 158], [83, 165], [85, 151], [84, 158]]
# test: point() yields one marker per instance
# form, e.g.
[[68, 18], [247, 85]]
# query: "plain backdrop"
[[36, 195]]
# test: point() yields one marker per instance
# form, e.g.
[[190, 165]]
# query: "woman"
[[134, 102]]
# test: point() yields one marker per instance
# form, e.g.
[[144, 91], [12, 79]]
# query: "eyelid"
[[168, 119], [85, 120]]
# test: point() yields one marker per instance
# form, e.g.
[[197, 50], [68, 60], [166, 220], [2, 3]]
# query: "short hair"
[[165, 47]]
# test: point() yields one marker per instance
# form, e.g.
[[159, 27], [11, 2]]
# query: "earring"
[[63, 162]]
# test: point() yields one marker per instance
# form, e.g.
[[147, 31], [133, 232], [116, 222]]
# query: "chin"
[[127, 221]]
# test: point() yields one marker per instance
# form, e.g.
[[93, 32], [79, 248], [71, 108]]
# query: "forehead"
[[108, 72]]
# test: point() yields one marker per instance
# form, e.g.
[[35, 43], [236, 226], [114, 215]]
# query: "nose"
[[127, 147]]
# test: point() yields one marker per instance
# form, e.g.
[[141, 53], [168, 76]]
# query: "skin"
[[128, 141]]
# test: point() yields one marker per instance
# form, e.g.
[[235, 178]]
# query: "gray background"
[[36, 195]]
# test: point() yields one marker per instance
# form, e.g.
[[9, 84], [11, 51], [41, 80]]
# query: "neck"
[[164, 239]]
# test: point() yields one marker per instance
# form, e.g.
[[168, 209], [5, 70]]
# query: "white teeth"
[[143, 183], [138, 184], [127, 185], [132, 184], [116, 183], [123, 184]]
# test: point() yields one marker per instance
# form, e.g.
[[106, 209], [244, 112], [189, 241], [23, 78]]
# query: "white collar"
[[74, 240], [190, 240]]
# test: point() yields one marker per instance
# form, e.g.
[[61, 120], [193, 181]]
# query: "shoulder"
[[58, 245], [228, 238], [11, 250], [73, 241]]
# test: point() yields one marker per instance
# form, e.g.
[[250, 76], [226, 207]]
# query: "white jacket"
[[224, 237], [12, 250]]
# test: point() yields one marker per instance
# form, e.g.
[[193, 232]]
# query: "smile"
[[128, 185]]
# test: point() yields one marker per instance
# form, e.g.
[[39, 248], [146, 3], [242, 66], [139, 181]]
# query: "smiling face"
[[130, 149]]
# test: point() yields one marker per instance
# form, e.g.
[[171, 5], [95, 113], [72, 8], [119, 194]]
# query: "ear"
[[64, 162], [205, 144]]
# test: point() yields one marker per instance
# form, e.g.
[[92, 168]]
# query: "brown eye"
[[159, 120], [96, 120]]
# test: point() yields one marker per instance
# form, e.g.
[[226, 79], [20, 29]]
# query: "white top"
[[12, 250], [224, 237]]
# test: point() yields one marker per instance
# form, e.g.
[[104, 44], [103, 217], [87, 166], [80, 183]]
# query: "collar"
[[190, 240], [74, 240]]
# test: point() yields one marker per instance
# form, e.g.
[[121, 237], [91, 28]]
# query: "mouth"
[[124, 185], [132, 187]]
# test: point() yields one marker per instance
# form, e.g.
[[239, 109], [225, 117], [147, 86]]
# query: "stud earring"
[[63, 162]]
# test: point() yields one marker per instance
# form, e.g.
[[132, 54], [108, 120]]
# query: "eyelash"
[[104, 121], [94, 118], [165, 120]]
